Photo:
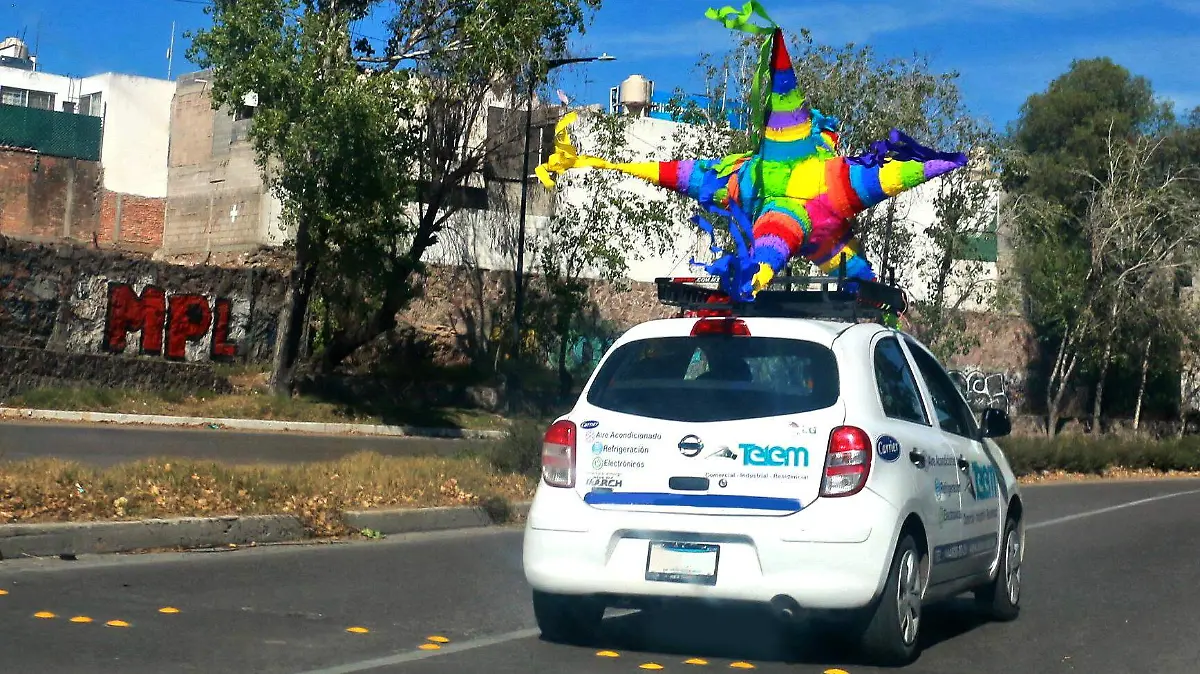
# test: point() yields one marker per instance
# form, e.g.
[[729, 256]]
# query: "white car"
[[789, 456]]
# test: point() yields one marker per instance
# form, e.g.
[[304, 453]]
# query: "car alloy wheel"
[[1012, 566], [908, 597]]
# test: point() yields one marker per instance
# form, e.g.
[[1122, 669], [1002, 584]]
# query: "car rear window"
[[716, 378]]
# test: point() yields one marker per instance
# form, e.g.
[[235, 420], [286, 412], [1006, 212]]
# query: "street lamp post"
[[519, 272]]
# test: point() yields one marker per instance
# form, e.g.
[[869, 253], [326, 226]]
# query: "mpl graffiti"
[[985, 390], [142, 318]]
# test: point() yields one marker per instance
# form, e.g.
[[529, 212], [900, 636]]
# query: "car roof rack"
[[789, 297]]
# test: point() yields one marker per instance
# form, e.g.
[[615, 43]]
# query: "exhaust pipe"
[[785, 608]]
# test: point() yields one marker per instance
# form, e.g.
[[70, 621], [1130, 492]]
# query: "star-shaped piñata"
[[794, 195]]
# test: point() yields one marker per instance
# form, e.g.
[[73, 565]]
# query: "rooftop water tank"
[[636, 93], [13, 47]]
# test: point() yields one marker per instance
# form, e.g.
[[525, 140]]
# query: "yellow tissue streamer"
[[762, 279], [565, 155]]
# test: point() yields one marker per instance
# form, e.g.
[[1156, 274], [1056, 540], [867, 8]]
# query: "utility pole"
[[519, 272], [171, 51]]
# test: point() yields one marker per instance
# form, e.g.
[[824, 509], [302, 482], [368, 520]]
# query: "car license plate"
[[683, 562]]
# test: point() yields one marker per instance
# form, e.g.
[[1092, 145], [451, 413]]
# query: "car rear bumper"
[[832, 555]]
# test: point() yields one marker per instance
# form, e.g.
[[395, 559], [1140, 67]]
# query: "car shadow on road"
[[751, 634]]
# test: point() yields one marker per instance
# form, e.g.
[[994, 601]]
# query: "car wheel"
[[1001, 598], [567, 619], [893, 632]]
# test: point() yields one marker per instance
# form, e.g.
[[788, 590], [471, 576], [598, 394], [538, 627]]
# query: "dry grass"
[[49, 490], [245, 403]]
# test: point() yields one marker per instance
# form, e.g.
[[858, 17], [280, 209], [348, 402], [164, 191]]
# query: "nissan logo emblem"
[[690, 446]]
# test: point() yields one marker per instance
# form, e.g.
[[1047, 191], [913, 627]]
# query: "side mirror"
[[996, 423]]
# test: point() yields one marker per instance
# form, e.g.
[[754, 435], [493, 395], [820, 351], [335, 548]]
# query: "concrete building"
[[66, 128], [217, 200]]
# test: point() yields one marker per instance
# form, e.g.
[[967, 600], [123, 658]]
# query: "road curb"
[[251, 424], [79, 538]]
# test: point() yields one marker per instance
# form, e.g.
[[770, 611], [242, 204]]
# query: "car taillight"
[[847, 463], [721, 326], [558, 454]]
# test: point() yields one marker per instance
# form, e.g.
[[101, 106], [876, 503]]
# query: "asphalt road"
[[1111, 584], [105, 445]]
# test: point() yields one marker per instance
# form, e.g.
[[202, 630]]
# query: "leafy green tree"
[[600, 225], [369, 150], [955, 273], [1062, 132], [1091, 155]]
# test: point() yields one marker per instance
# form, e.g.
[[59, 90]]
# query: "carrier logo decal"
[[888, 448]]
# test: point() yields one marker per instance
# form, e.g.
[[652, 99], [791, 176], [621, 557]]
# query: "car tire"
[[1000, 599], [567, 619], [892, 634]]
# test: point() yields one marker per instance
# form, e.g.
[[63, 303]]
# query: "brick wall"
[[130, 219], [49, 197]]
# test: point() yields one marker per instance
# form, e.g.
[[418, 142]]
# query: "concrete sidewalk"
[[249, 424]]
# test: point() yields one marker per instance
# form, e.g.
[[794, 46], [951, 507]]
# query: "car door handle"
[[917, 457], [963, 464]]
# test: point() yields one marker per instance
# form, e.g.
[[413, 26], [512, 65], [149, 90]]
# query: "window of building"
[[91, 104], [43, 100], [982, 246], [13, 96]]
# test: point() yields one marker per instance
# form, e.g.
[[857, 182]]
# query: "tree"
[[1062, 150], [1062, 131], [1140, 229], [600, 224], [955, 271], [369, 152]]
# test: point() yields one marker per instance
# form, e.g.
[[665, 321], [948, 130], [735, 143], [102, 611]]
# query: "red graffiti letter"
[[127, 313], [222, 348], [188, 319]]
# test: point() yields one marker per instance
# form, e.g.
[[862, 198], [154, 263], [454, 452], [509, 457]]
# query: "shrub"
[[1090, 455], [520, 451]]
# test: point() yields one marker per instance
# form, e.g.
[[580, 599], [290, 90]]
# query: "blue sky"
[[1004, 49]]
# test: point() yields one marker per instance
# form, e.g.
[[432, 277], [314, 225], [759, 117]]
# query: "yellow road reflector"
[[438, 640], [836, 671], [650, 665], [3, 592], [117, 623], [607, 654], [429, 647], [357, 630], [695, 661], [44, 614], [168, 609], [81, 619], [741, 665]]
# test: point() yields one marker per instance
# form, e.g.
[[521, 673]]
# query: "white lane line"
[[483, 642], [448, 649], [1101, 511], [411, 656]]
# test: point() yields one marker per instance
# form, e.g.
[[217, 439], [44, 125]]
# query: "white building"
[[135, 112]]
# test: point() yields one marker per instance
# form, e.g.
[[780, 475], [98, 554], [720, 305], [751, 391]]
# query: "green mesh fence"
[[59, 134]]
